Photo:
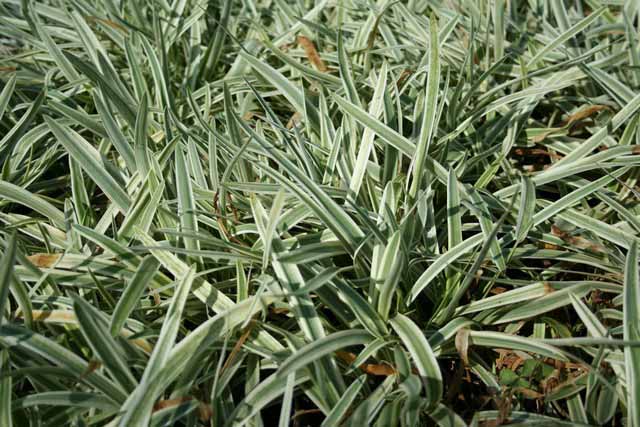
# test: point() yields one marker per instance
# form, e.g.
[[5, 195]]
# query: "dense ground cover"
[[329, 212]]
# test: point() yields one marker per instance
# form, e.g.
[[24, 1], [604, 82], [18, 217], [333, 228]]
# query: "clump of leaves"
[[225, 213]]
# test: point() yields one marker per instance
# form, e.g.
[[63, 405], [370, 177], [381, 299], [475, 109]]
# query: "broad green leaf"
[[526, 210], [341, 409], [422, 354], [186, 202], [443, 261], [388, 134], [66, 398], [13, 136], [430, 107], [132, 293], [19, 195], [514, 342], [95, 332], [566, 35], [285, 410], [322, 347], [6, 94], [375, 109], [6, 272], [6, 387], [110, 88], [293, 94], [631, 326], [267, 391], [454, 211], [140, 403], [445, 417], [16, 336], [91, 162], [389, 274]]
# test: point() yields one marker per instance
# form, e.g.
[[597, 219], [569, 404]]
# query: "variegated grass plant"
[[319, 212]]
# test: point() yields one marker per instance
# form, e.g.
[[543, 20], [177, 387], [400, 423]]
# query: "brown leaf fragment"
[[406, 73], [541, 137], [108, 22], [345, 356], [528, 393], [584, 113], [93, 365], [44, 260], [294, 120], [204, 411], [504, 409], [462, 345], [59, 316], [312, 53], [508, 359], [69, 317], [381, 370], [576, 241], [237, 347], [537, 152]]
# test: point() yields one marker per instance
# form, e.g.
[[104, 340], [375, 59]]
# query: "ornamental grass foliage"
[[319, 213]]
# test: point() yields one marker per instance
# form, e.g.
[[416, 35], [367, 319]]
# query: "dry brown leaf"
[[550, 246], [44, 260], [498, 290], [107, 22], [504, 409], [551, 382], [462, 345], [527, 392], [312, 53], [381, 370], [508, 359], [156, 297], [572, 119], [521, 151], [548, 289], [248, 116], [403, 77], [539, 138], [170, 403], [279, 310], [204, 411], [584, 113], [93, 365], [221, 220], [69, 317], [573, 378], [237, 347], [345, 356], [54, 316], [577, 241], [294, 120]]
